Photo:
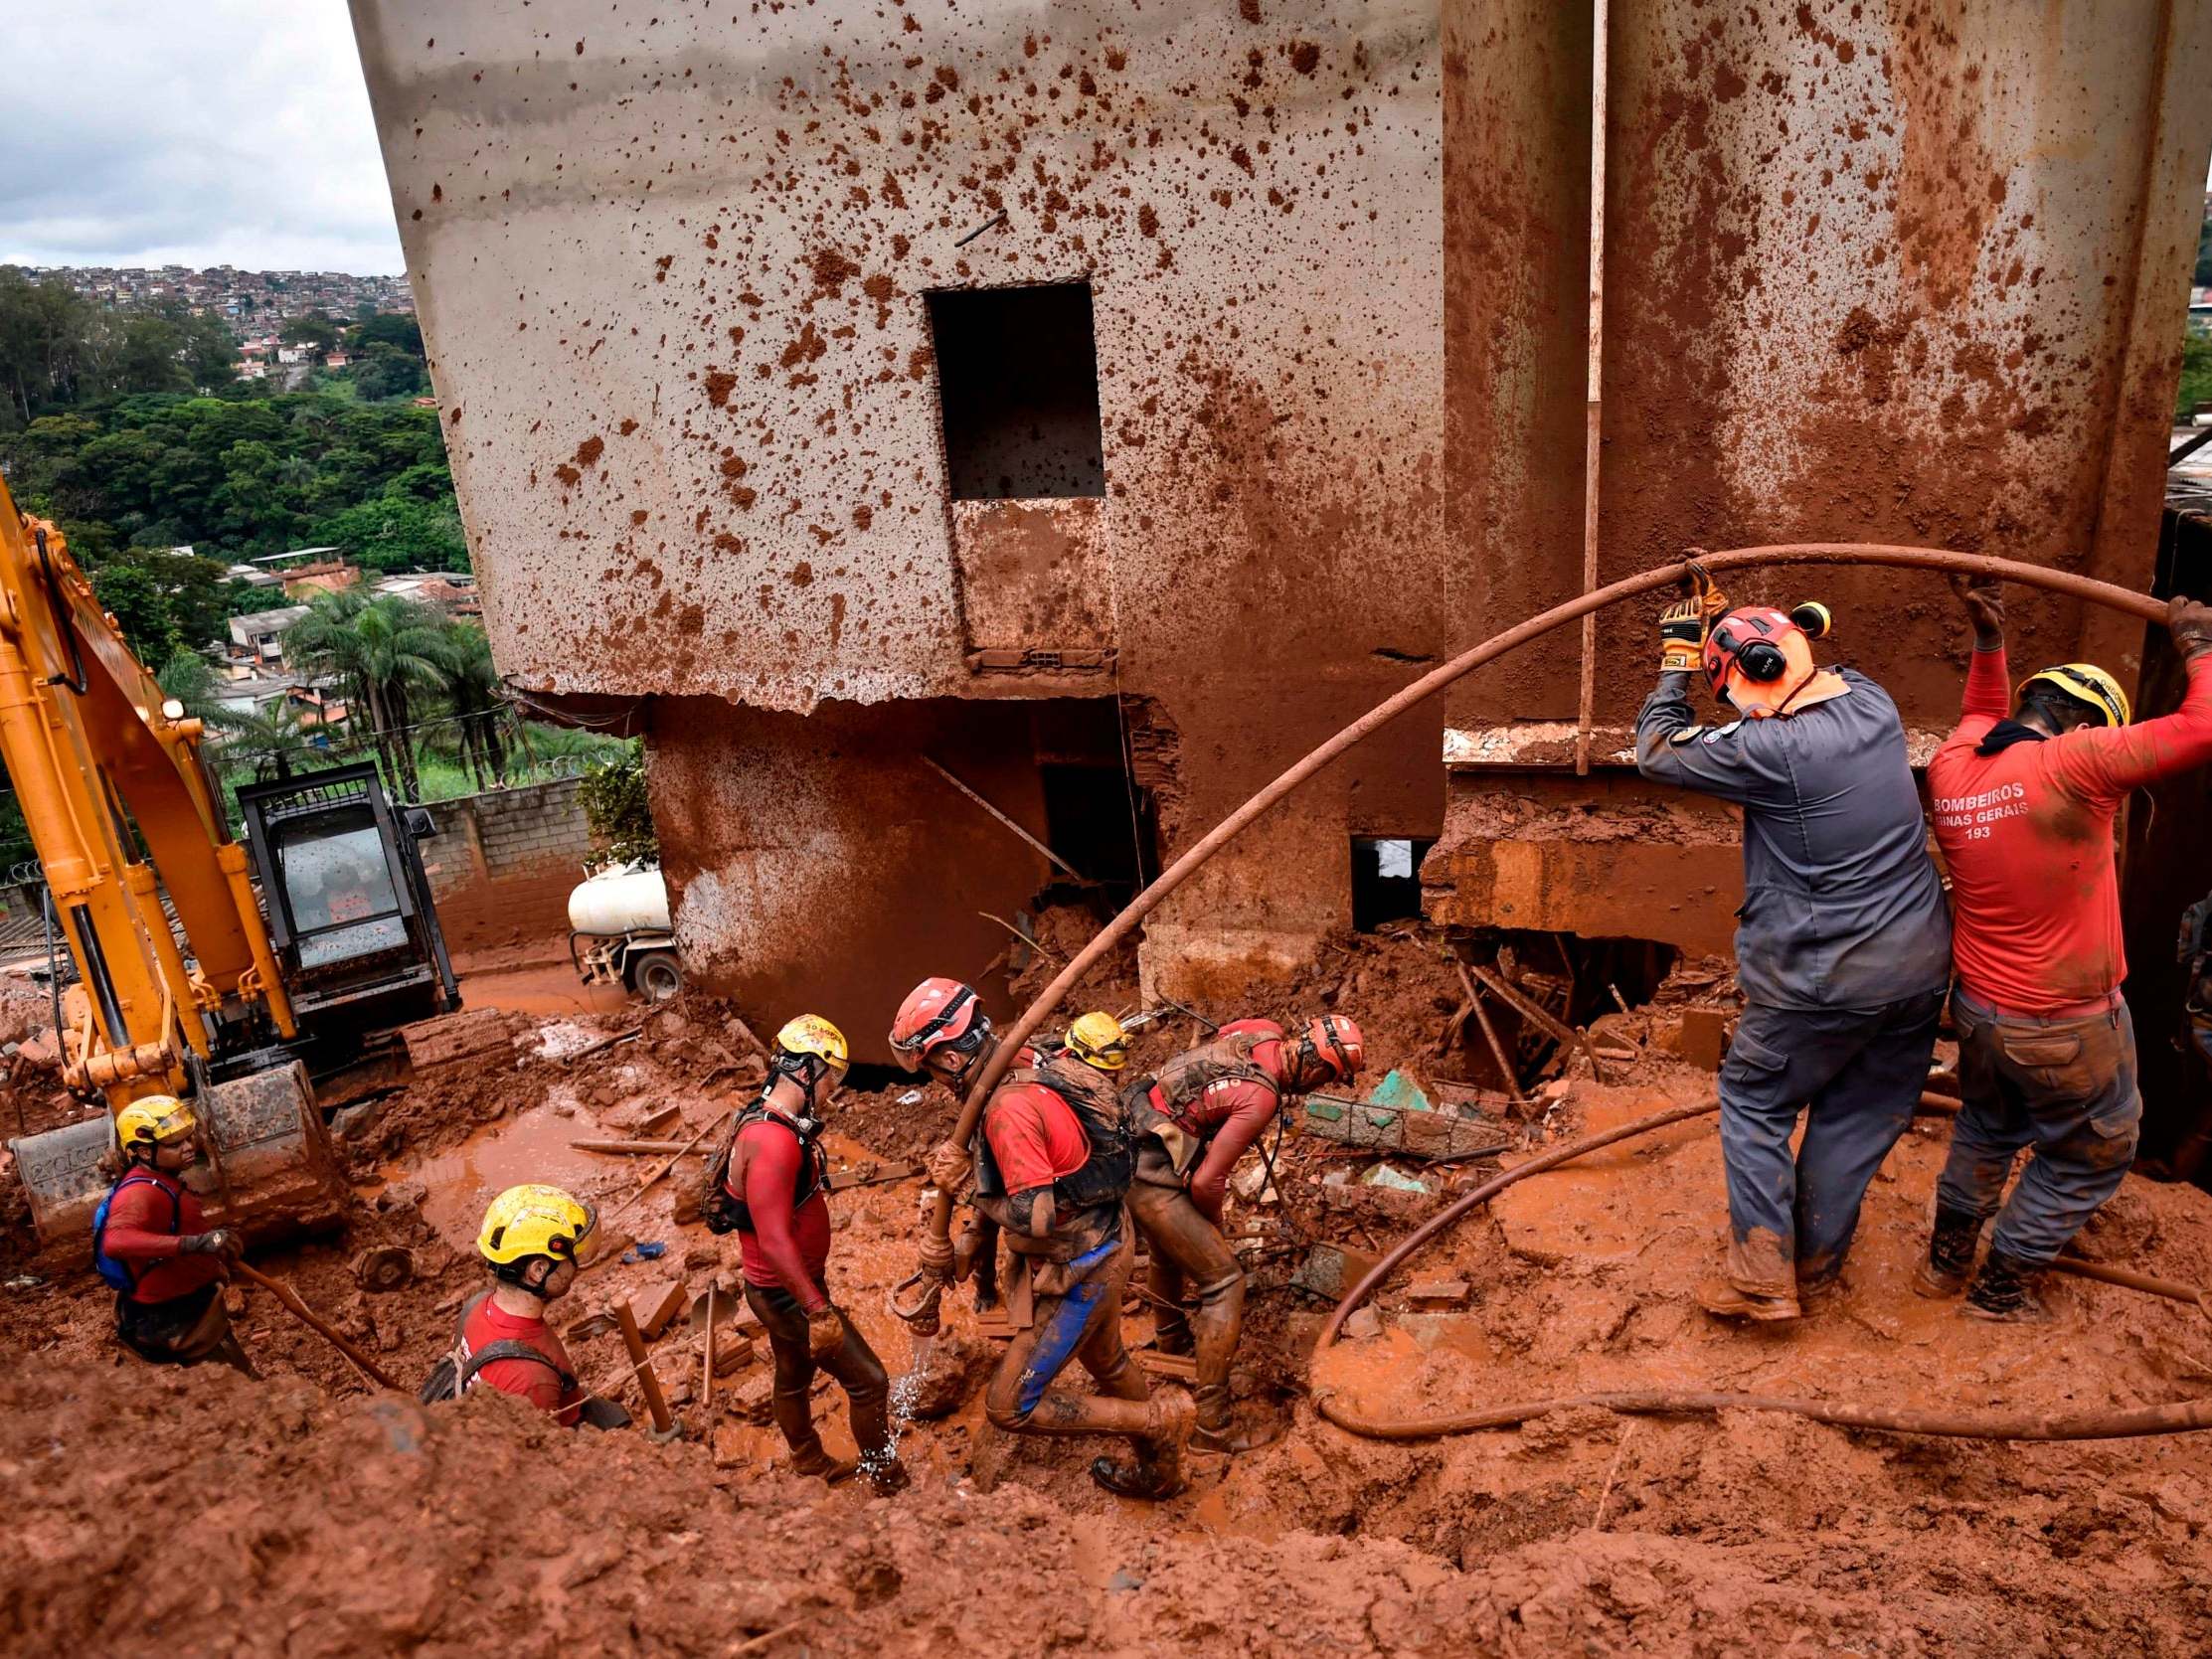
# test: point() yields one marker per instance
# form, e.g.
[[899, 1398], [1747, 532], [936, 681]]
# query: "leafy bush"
[[615, 808]]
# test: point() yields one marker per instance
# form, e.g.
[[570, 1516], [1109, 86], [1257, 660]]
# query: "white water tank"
[[621, 900]]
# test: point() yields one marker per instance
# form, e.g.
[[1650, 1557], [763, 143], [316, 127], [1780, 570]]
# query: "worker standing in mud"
[[1052, 1167], [530, 1240], [2194, 953], [1843, 948], [772, 1186], [151, 1243], [1197, 1116], [2026, 790]]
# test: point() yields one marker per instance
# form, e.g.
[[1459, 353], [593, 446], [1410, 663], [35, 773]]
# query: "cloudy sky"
[[196, 132]]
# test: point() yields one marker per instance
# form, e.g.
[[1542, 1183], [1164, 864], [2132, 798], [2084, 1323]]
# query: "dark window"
[[1018, 378], [1386, 880]]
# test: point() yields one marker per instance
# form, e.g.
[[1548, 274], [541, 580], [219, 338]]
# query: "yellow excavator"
[[243, 1008]]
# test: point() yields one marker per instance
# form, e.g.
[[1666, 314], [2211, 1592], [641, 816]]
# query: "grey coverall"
[[1843, 955]]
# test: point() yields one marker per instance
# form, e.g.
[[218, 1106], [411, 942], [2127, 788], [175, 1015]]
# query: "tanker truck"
[[619, 933]]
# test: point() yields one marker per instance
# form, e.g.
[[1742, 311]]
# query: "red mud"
[[325, 1521]]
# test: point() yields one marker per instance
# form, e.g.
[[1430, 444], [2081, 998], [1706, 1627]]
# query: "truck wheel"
[[656, 975]]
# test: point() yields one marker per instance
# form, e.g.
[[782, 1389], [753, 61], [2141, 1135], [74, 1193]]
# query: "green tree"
[[386, 372], [388, 329], [140, 610], [269, 739], [190, 679], [2196, 373], [616, 808], [385, 652], [314, 329], [399, 533], [477, 697]]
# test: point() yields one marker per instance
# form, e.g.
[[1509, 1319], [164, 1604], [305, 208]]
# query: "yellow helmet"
[[2087, 683], [1096, 1039], [533, 1220], [152, 1120], [810, 1034]]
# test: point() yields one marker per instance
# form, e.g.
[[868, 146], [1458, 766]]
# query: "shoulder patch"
[[1720, 732], [1688, 735]]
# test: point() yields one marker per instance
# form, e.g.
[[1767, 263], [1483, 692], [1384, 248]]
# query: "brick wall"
[[502, 864]]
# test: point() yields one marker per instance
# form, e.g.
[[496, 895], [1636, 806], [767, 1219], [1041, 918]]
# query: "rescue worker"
[[151, 1242], [2026, 790], [1200, 1113], [1843, 948], [776, 1183], [1052, 1167], [530, 1240]]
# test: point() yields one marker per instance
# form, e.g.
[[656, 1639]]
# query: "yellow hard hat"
[[810, 1034], [2087, 683], [534, 1221], [154, 1119], [1096, 1039]]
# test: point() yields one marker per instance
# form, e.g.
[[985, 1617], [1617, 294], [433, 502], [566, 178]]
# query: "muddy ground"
[[196, 1512]]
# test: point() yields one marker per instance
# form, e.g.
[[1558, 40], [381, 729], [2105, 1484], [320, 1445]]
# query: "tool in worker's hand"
[[293, 1304]]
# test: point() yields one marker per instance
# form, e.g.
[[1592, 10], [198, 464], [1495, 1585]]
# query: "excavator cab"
[[350, 912]]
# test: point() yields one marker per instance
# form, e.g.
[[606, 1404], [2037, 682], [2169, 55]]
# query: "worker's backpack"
[[1184, 1080], [725, 1212], [118, 1274], [1107, 1126], [456, 1368]]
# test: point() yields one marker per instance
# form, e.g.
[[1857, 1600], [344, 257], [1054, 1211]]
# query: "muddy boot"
[[1950, 1254], [816, 1461], [1217, 1431], [1720, 1298], [2005, 1290], [1171, 1333], [1156, 1473], [884, 1474]]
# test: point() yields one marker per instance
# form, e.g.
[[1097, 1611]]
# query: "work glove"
[[1983, 600], [220, 1242], [825, 1332], [1682, 637], [2190, 623], [948, 1166]]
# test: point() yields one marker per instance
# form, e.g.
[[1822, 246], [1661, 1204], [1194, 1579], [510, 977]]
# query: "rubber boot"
[[2007, 1291], [1950, 1254], [1171, 1332], [1156, 1471]]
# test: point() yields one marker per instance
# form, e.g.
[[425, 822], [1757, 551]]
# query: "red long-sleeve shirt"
[[140, 1232], [1035, 1136], [784, 1249], [488, 1323], [2027, 833], [1232, 1112]]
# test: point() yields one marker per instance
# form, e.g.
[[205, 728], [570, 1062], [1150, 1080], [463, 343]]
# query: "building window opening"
[[1104, 825], [1018, 384], [1386, 880]]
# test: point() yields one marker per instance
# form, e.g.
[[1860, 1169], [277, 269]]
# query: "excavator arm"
[[107, 771]]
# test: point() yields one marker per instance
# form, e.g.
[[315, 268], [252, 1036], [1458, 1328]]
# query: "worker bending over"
[[1052, 1167], [2025, 796], [530, 1240], [1198, 1114], [1843, 950], [772, 1188], [150, 1242]]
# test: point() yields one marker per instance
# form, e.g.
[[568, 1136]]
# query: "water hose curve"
[[919, 1309]]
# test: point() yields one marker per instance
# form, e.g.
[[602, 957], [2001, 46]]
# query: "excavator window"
[[338, 887]]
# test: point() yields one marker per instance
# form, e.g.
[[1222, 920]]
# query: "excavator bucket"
[[267, 1168]]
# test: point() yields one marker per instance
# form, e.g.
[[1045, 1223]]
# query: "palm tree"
[[473, 687], [381, 649], [269, 738]]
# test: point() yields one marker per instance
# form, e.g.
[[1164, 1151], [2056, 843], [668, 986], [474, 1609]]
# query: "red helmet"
[[1755, 639], [1334, 1042], [938, 1012]]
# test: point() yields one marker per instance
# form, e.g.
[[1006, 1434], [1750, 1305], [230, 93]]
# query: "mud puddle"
[[532, 1145]]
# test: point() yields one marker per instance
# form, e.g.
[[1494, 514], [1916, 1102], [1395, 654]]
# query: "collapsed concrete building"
[[1102, 405]]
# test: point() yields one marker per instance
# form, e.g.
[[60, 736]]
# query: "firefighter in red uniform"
[[530, 1240], [771, 1191], [1052, 1167], [1203, 1110], [152, 1244], [2025, 793]]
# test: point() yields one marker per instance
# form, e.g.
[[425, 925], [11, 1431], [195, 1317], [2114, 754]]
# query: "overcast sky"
[[194, 133]]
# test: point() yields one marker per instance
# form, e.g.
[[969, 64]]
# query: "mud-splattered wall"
[[1871, 271], [672, 272]]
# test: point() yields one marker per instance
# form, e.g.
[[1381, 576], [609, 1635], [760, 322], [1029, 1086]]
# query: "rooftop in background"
[[297, 552]]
